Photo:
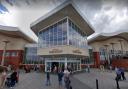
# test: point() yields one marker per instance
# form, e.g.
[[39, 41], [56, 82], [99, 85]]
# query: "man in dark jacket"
[[122, 73], [60, 76], [13, 78], [48, 83]]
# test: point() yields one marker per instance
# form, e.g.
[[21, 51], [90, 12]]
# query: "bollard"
[[117, 83], [97, 86]]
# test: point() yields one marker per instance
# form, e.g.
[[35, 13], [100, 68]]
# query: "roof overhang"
[[99, 38], [14, 32], [67, 9], [122, 33]]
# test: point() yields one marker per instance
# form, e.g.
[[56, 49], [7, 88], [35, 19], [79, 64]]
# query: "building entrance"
[[53, 65]]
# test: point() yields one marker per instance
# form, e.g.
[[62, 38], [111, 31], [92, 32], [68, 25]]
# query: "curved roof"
[[103, 36], [14, 32], [69, 9]]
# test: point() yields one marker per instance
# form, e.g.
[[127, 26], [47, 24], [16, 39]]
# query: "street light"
[[113, 50], [106, 47], [4, 51], [113, 46], [121, 46]]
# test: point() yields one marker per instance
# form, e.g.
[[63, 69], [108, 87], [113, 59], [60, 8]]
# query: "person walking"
[[3, 78], [88, 68], [67, 79], [60, 76], [122, 73], [118, 74], [48, 82]]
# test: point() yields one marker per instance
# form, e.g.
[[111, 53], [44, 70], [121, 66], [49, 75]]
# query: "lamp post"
[[4, 51], [121, 46], [106, 47], [112, 46], [113, 50]]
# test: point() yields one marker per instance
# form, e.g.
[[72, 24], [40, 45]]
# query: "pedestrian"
[[118, 74], [48, 82], [60, 76], [66, 72], [3, 78], [122, 73], [88, 68], [55, 69], [14, 78], [110, 67], [66, 78]]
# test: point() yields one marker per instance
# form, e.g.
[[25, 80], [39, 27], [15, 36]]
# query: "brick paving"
[[83, 80], [37, 81], [106, 79]]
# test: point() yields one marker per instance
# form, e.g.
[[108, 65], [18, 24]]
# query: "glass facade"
[[31, 56], [64, 32], [76, 37], [54, 35]]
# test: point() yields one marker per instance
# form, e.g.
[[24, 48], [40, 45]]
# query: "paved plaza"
[[83, 80], [105, 78]]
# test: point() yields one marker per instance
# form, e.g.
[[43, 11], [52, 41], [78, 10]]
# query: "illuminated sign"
[[77, 51], [55, 51]]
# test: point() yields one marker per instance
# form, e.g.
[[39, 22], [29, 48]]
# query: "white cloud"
[[106, 16]]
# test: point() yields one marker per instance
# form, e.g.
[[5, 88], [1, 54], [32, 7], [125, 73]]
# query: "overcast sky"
[[106, 16]]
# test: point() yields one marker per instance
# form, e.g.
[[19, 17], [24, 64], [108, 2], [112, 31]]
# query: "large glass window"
[[76, 36], [62, 33], [31, 56], [54, 35]]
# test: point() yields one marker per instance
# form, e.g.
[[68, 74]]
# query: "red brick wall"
[[12, 60], [120, 63], [115, 63], [96, 59]]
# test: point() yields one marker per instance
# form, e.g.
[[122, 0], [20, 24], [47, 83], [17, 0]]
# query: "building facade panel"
[[111, 50], [63, 50], [14, 50], [14, 42], [63, 39]]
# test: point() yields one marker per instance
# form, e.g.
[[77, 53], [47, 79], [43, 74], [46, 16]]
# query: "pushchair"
[[8, 81], [11, 80]]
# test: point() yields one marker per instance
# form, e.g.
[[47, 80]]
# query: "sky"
[[105, 16]]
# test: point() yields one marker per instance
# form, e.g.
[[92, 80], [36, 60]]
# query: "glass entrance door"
[[62, 65], [74, 65], [48, 67]]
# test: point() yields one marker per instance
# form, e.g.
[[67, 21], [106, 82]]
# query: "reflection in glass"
[[57, 35]]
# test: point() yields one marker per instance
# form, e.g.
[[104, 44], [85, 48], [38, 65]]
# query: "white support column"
[[80, 64], [65, 62], [4, 52], [45, 65], [67, 31]]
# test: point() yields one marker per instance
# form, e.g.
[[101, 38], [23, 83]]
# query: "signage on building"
[[77, 51], [55, 51]]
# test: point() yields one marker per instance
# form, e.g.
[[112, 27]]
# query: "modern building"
[[31, 56], [111, 49], [12, 45], [62, 36]]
